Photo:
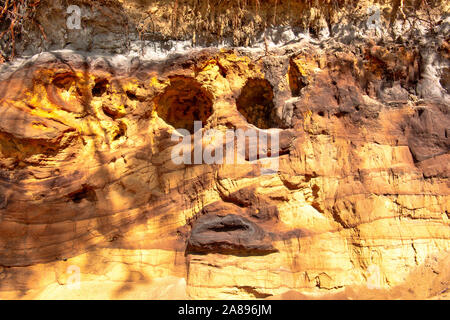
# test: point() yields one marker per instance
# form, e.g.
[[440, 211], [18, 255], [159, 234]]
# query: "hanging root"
[[13, 15], [401, 10]]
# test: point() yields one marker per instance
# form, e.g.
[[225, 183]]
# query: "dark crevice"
[[229, 228], [420, 112], [86, 192], [131, 95], [340, 114], [100, 88], [122, 131], [254, 292]]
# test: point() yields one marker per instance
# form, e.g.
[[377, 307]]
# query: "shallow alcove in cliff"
[[66, 90], [296, 83], [85, 193], [100, 87], [183, 102], [65, 80], [255, 103]]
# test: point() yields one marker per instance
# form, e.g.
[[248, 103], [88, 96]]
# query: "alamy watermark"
[[374, 279], [74, 278], [374, 20], [74, 19]]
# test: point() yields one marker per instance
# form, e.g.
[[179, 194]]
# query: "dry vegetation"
[[218, 17], [211, 21], [16, 17]]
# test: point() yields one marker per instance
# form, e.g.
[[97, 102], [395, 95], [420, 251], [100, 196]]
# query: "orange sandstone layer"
[[359, 207]]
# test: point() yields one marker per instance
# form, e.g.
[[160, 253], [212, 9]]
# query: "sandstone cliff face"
[[358, 208]]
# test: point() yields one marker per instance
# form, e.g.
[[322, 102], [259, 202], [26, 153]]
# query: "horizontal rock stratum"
[[92, 204]]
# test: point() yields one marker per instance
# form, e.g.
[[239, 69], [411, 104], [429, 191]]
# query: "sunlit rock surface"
[[92, 204]]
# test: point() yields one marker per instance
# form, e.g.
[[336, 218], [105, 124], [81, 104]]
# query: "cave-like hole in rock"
[[86, 192], [99, 88], [295, 78], [183, 102], [255, 103]]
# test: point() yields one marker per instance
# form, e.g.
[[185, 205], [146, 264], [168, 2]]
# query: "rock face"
[[93, 205]]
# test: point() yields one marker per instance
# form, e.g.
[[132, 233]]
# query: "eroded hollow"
[[184, 102], [295, 77], [86, 192], [255, 103], [100, 87]]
